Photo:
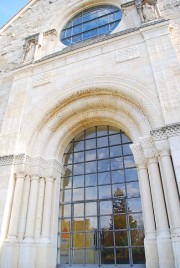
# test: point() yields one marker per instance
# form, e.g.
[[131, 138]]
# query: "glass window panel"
[[102, 142], [67, 159], [78, 225], [105, 191], [125, 139], [68, 171], [113, 130], [69, 148], [90, 15], [91, 167], [107, 256], [91, 193], [119, 190], [115, 151], [77, 38], [78, 146], [65, 241], [102, 131], [112, 17], [65, 211], [131, 174], [68, 32], [77, 21], [121, 239], [103, 165], [134, 205], [118, 176], [90, 144], [66, 195], [119, 206], [90, 25], [80, 136], [104, 178], [107, 238], [133, 189], [136, 220], [103, 21], [77, 29], [89, 34], [129, 161], [78, 169], [115, 139], [67, 182], [126, 149], [91, 133], [120, 222], [103, 153], [64, 257], [90, 240], [103, 11], [116, 163], [90, 155], [78, 256], [138, 255], [106, 222], [79, 210], [103, 29], [91, 256], [91, 223], [79, 157], [78, 181], [118, 15], [78, 194], [91, 180], [137, 238], [105, 207], [91, 208], [122, 256], [65, 227]]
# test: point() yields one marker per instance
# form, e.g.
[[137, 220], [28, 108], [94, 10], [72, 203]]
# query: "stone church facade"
[[124, 84]]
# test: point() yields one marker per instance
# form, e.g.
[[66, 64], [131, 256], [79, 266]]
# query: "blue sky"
[[8, 8]]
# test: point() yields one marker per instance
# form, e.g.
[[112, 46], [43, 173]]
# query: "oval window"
[[93, 22]]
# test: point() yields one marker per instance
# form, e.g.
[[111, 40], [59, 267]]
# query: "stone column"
[[40, 208], [24, 208], [16, 206], [150, 243], [165, 251], [31, 216], [172, 197], [47, 210]]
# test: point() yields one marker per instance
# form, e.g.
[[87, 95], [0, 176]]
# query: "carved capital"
[[148, 147], [163, 147], [159, 134], [138, 154]]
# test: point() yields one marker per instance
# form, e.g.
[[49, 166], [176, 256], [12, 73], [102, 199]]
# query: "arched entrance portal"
[[101, 221]]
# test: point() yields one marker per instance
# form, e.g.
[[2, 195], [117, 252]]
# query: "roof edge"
[[16, 16]]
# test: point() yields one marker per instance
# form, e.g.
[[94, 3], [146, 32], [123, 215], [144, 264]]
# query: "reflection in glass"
[[102, 131], [103, 165], [78, 240], [78, 181], [132, 189], [78, 194], [104, 191], [131, 174], [66, 195], [104, 178], [120, 222], [91, 208], [91, 223], [118, 176], [107, 256], [68, 159], [90, 144], [90, 133], [91, 256], [102, 142], [78, 146], [79, 210], [91, 155], [64, 257], [121, 239], [122, 256], [78, 256], [105, 207], [65, 226], [138, 255], [119, 190], [90, 240], [91, 193], [126, 149], [78, 169], [115, 139], [91, 180], [78, 225], [119, 206], [129, 161], [115, 151], [137, 238], [79, 157], [106, 222], [136, 220], [134, 205], [107, 238], [65, 210], [67, 182], [125, 138], [103, 153], [91, 167], [116, 163]]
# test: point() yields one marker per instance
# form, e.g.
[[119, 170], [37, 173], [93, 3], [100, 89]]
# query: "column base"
[[176, 250], [27, 256], [46, 256], [165, 252], [9, 255], [151, 253]]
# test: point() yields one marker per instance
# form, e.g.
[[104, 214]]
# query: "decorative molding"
[[127, 53], [148, 147], [6, 160], [50, 32], [163, 147], [42, 79], [139, 157], [166, 132]]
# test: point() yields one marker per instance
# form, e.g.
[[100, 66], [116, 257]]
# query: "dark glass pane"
[[118, 176], [90, 155], [78, 256], [126, 149], [79, 146], [103, 153], [138, 255], [79, 157], [107, 256], [134, 205], [131, 174], [119, 206], [129, 161], [132, 189], [103, 165], [120, 222], [104, 178], [91, 167], [91, 209], [91, 180], [79, 210], [137, 238], [119, 190], [68, 171], [105, 207], [121, 238], [91, 193], [106, 222], [116, 163], [90, 144], [107, 238], [102, 131], [122, 256], [78, 225], [115, 151], [91, 223], [105, 191], [136, 220], [102, 142], [78, 181], [115, 139]]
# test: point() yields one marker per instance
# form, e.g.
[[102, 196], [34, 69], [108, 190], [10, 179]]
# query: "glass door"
[[100, 221]]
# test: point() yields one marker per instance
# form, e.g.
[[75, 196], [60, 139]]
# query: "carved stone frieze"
[[127, 53], [166, 132]]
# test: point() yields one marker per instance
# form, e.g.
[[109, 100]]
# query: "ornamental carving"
[[138, 154], [127, 54]]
